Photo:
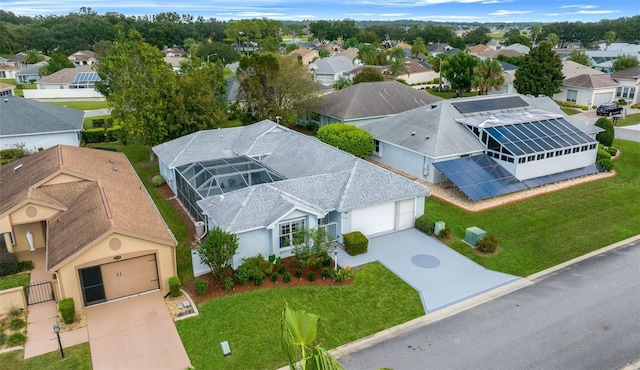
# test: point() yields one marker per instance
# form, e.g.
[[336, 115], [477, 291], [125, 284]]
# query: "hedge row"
[[102, 135]]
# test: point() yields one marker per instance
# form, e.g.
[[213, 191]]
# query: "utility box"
[[439, 226], [473, 234]]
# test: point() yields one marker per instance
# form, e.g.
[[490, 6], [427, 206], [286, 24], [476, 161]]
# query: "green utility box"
[[473, 234], [439, 226]]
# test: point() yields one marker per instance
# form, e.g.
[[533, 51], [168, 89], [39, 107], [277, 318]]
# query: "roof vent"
[[115, 169], [16, 168], [110, 160], [413, 133], [6, 100], [433, 106]]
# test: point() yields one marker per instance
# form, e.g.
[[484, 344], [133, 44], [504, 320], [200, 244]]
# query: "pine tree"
[[540, 73]]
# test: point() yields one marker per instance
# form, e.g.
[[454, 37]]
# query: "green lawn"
[[376, 300], [76, 357], [19, 87], [570, 111], [138, 155], [549, 229], [632, 119], [13, 281], [82, 105]]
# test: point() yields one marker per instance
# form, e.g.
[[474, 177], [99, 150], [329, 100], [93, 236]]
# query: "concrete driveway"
[[441, 275], [135, 333]]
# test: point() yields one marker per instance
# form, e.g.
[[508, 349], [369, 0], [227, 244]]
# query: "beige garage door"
[[130, 276]]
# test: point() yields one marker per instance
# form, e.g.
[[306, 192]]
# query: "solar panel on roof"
[[86, 77], [474, 106]]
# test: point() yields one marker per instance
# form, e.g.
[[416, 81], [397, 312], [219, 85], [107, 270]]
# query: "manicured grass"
[[570, 111], [138, 155], [82, 105], [12, 281], [552, 228], [250, 321], [632, 119], [76, 357]]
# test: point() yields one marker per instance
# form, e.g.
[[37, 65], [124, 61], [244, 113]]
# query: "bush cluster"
[[286, 277], [17, 323], [16, 339], [444, 233], [157, 180], [606, 137], [606, 164], [253, 268], [201, 286], [569, 104], [9, 264], [423, 224], [613, 151], [228, 283], [488, 244], [67, 308], [343, 275], [174, 286], [347, 137], [102, 135], [355, 243], [102, 122], [603, 154]]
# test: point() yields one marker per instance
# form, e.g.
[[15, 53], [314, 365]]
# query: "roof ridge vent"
[[16, 168]]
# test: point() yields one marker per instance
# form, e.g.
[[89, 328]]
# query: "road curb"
[[454, 309]]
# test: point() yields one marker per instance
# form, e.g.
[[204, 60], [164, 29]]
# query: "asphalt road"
[[586, 316]]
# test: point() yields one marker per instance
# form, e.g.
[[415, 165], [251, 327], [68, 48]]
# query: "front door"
[[92, 286]]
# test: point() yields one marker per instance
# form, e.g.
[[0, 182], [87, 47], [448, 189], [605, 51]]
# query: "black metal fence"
[[39, 292]]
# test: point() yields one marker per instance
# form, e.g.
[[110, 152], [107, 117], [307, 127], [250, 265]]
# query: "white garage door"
[[375, 219], [404, 214], [602, 98]]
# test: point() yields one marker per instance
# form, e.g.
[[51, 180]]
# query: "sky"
[[426, 10]]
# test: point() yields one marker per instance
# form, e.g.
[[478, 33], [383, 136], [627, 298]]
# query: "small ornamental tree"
[[349, 138], [606, 137], [216, 251], [368, 74], [310, 246]]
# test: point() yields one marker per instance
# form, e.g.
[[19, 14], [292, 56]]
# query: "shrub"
[[274, 277], [355, 243], [9, 264], [201, 286], [102, 135], [312, 276], [282, 270], [606, 164], [157, 180], [445, 233], [256, 267], [606, 137], [298, 273], [622, 102], [16, 339], [613, 151], [286, 277], [423, 224], [347, 137], [3, 338], [326, 273], [343, 275], [242, 276], [174, 286], [603, 154], [228, 283], [14, 311], [17, 323], [25, 265], [67, 308], [257, 280], [327, 261], [488, 244]]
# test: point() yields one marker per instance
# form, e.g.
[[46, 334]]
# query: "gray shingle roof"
[[20, 116], [590, 81], [332, 65], [373, 99], [65, 75], [629, 73]]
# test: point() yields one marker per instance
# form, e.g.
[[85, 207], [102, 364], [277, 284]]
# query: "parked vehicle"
[[608, 109]]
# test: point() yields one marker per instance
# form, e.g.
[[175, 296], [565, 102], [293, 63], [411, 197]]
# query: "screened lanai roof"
[[219, 176]]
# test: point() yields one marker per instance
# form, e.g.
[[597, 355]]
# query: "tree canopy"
[[479, 35], [624, 62], [368, 74], [458, 70], [579, 56], [217, 250], [56, 62], [346, 137], [487, 75], [540, 74]]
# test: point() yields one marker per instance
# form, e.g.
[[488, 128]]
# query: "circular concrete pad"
[[425, 261]]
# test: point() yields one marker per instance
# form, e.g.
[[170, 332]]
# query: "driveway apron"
[[135, 333], [441, 275]]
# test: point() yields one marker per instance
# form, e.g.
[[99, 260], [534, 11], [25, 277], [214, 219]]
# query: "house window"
[[567, 151], [576, 149], [550, 154], [572, 95], [540, 156], [522, 160], [11, 238], [531, 158], [376, 147], [558, 153], [626, 92], [288, 230]]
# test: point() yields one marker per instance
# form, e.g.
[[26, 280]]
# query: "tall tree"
[[137, 83], [56, 62], [624, 62], [368, 74], [540, 73], [396, 60], [33, 56], [609, 38], [536, 31], [579, 56], [553, 39], [518, 39], [418, 47], [299, 331], [274, 86], [487, 75], [217, 250], [458, 70], [101, 48], [479, 35]]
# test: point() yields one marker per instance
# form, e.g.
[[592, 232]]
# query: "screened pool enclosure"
[[201, 180]]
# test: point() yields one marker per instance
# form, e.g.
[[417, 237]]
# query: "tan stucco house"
[[103, 236]]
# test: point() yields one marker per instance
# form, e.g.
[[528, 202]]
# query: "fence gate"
[[39, 292]]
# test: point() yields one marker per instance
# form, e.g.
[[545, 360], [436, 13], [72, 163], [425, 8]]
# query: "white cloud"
[[510, 12], [553, 14], [393, 14], [596, 12], [578, 6]]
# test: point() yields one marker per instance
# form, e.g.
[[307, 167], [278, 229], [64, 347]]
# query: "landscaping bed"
[[13, 328]]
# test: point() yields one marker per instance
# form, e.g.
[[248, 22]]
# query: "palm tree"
[[487, 74], [341, 83], [299, 330], [396, 56], [33, 56], [609, 38], [553, 38], [418, 47], [536, 31]]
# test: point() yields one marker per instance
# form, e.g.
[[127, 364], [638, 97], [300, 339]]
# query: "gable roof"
[[82, 55], [111, 198], [313, 183], [572, 69], [373, 99], [65, 75], [434, 130], [524, 49], [629, 73], [20, 116], [590, 81]]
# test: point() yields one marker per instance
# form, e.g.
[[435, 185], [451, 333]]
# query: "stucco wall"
[[20, 235], [45, 141], [31, 213], [55, 92], [168, 174], [104, 252], [252, 243], [549, 166], [10, 298], [401, 159]]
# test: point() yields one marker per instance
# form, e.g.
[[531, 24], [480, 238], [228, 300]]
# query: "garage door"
[[602, 98], [405, 214], [373, 220], [119, 279]]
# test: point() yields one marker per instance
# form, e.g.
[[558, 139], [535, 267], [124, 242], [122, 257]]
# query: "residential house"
[[264, 182], [102, 236], [174, 62], [6, 89], [8, 71], [174, 52], [585, 86], [438, 48], [328, 70], [522, 49], [493, 54], [509, 74], [488, 145], [628, 82], [603, 59], [416, 72], [495, 44], [306, 56], [33, 124], [17, 60], [369, 101], [351, 54], [29, 74], [76, 83], [478, 48], [83, 58]]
